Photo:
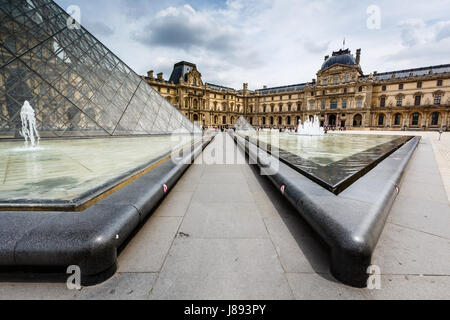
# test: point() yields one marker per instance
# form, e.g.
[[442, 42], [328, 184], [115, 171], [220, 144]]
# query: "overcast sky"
[[263, 42]]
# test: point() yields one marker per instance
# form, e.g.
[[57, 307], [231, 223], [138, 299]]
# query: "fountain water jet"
[[29, 131], [310, 128]]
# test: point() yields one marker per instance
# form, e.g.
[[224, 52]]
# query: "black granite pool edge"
[[91, 238], [351, 222]]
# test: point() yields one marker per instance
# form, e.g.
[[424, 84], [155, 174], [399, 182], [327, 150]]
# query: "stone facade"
[[341, 95]]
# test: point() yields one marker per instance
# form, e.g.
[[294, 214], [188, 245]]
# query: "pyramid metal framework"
[[76, 86], [242, 124]]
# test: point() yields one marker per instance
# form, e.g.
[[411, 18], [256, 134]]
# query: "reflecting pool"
[[335, 161], [63, 170]]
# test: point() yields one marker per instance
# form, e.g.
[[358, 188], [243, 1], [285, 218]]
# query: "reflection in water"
[[333, 161]]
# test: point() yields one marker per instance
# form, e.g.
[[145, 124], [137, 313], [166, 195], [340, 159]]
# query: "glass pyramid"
[[76, 86], [242, 124]]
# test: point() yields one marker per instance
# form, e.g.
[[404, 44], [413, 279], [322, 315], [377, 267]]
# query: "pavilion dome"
[[339, 57]]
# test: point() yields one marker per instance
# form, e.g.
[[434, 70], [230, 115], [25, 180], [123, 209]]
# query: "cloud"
[[99, 28], [266, 42], [315, 46], [185, 28]]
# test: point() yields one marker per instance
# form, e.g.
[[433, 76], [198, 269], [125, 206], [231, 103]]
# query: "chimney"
[[358, 56], [326, 58], [150, 74], [264, 87], [160, 76]]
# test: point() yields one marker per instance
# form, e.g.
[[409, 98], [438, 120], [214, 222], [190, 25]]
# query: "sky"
[[262, 42]]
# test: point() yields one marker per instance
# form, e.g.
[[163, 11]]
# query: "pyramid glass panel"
[[77, 88]]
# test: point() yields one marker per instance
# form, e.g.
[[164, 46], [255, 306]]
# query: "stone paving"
[[224, 232]]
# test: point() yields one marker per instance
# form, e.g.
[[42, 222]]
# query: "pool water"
[[335, 161], [62, 170]]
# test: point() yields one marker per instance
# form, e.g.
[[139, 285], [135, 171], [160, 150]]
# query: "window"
[[383, 88], [435, 119], [360, 89], [346, 78], [419, 85], [323, 104], [312, 94], [345, 90], [415, 119], [311, 105], [344, 103], [382, 102], [323, 92], [272, 108], [381, 119], [417, 100], [333, 104], [359, 102], [335, 79], [299, 107], [439, 83], [437, 98], [399, 101], [400, 86], [397, 119], [325, 81]]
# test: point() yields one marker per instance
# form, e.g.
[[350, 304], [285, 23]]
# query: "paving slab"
[[322, 287], [175, 205], [406, 251], [123, 286], [224, 220], [222, 269], [299, 248], [39, 290], [149, 247]]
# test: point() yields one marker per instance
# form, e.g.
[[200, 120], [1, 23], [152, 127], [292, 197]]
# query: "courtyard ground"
[[224, 232]]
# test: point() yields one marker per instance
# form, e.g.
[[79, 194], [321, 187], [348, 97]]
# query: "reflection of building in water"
[[76, 86], [341, 95]]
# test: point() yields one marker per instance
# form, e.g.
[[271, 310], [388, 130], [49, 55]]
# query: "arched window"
[[415, 119], [280, 120], [271, 121], [397, 119], [381, 119], [357, 120], [288, 120], [435, 118]]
